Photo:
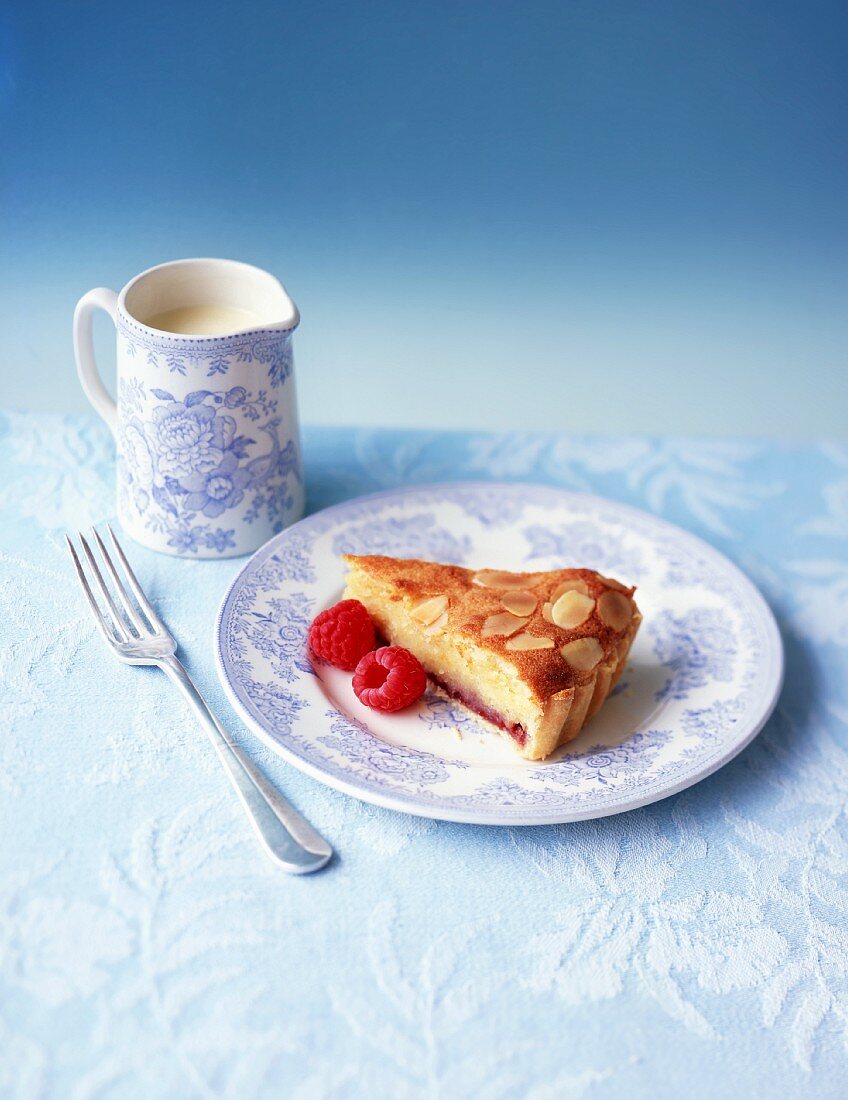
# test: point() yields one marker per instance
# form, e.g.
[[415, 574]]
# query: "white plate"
[[704, 674]]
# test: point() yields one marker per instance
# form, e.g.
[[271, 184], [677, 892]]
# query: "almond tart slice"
[[535, 653]]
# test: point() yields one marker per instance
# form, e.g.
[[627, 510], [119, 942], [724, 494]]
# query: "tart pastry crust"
[[536, 653]]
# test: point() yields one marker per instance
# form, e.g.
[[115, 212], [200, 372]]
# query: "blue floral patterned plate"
[[704, 674]]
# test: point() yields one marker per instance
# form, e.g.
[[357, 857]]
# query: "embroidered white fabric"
[[148, 949]]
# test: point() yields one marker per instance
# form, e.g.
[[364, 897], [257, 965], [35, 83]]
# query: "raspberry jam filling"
[[516, 731]]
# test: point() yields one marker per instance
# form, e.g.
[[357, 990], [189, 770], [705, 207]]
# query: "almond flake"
[[615, 610], [613, 583], [519, 603], [572, 609], [576, 584], [498, 578], [430, 609], [438, 625], [546, 613], [583, 653], [529, 641], [503, 623]]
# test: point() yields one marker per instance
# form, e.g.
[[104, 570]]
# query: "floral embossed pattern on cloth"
[[147, 948]]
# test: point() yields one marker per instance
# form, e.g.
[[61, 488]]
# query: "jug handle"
[[99, 298]]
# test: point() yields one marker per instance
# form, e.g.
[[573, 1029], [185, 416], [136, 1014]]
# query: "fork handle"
[[287, 836]]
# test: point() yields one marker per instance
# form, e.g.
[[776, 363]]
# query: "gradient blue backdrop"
[[559, 215]]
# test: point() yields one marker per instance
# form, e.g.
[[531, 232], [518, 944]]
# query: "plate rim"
[[477, 816]]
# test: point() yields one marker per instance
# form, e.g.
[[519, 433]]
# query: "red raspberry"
[[342, 634], [389, 678]]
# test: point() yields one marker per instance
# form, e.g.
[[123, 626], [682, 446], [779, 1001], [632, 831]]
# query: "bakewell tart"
[[535, 653]]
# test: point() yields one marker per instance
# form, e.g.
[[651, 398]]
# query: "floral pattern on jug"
[[213, 455]]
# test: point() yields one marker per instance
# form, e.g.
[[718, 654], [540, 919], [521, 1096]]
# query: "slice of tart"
[[535, 653]]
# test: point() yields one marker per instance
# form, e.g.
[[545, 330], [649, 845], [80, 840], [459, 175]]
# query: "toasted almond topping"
[[546, 613], [571, 609], [430, 609], [576, 584], [613, 583], [520, 603], [503, 623], [438, 625], [529, 641], [583, 653], [615, 610], [498, 578]]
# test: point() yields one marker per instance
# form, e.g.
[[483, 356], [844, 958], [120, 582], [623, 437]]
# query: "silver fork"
[[137, 636]]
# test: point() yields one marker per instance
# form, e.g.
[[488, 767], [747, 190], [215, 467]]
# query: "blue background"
[[572, 216]]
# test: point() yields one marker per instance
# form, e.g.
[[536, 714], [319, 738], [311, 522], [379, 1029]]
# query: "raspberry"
[[389, 678], [342, 634]]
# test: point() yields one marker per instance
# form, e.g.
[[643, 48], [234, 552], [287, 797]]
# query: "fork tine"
[[130, 610], [119, 622], [137, 591], [99, 617]]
